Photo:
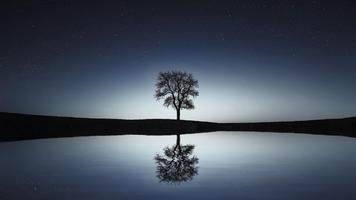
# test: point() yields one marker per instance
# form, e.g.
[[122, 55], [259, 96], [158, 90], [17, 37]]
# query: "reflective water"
[[221, 165]]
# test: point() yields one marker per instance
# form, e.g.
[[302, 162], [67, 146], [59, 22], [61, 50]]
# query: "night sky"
[[254, 60]]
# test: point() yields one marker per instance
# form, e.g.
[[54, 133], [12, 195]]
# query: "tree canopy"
[[177, 88], [177, 164]]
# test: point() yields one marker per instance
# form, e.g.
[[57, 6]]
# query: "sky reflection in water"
[[229, 165]]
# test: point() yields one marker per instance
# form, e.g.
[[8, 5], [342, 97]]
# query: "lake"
[[217, 165]]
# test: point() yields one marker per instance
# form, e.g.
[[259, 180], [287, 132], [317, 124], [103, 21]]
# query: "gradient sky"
[[254, 60]]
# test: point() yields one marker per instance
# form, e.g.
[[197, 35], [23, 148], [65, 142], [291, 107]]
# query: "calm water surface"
[[220, 165]]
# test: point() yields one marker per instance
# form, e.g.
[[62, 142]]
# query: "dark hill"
[[344, 126], [23, 126]]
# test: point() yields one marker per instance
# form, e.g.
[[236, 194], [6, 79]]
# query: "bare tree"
[[177, 88], [177, 164]]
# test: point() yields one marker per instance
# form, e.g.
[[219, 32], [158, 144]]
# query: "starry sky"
[[254, 60]]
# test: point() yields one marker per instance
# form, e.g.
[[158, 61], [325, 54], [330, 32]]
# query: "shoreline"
[[23, 126]]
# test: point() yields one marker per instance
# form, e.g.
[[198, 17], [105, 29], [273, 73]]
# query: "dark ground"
[[21, 126]]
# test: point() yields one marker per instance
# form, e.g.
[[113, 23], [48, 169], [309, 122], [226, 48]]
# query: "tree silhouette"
[[177, 164], [177, 88]]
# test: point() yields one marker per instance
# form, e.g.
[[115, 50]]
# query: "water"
[[221, 165]]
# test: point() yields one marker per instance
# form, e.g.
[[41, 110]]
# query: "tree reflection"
[[177, 164]]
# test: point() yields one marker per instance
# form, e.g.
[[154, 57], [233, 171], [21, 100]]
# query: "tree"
[[177, 88], [177, 164]]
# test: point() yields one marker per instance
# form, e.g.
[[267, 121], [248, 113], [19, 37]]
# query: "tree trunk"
[[177, 145], [178, 140], [178, 114]]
